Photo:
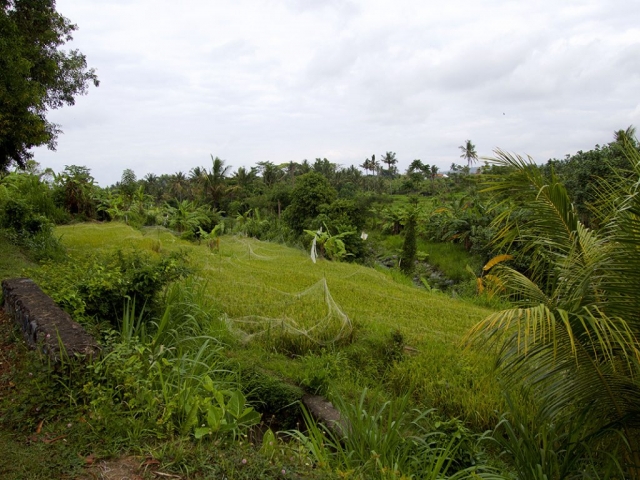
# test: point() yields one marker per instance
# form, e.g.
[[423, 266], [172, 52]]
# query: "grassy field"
[[296, 318], [14, 261]]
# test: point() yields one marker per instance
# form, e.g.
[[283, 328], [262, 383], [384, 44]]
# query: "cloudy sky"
[[282, 80]]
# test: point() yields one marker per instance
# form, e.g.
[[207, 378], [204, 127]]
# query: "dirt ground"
[[126, 468]]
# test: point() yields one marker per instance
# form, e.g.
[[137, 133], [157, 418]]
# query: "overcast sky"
[[251, 80]]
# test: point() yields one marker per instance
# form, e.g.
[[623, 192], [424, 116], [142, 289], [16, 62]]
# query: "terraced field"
[[282, 308]]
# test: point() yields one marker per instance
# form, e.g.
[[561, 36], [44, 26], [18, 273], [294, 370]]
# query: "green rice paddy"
[[265, 290]]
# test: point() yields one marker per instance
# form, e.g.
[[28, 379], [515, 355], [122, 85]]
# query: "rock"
[[323, 411], [43, 323]]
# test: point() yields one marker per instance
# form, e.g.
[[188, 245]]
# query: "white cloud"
[[253, 80]]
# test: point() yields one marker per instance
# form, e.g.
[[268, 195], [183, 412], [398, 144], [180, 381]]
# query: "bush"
[[97, 286]]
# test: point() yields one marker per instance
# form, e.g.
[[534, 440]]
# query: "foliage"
[[226, 411], [320, 370], [538, 450], [583, 172], [26, 205], [35, 76], [409, 246], [331, 246], [186, 216], [391, 441], [97, 285], [13, 262], [572, 334], [310, 193], [76, 191], [168, 375], [258, 284], [468, 152]]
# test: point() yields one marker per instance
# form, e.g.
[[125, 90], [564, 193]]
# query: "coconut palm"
[[469, 152], [629, 134], [214, 182], [572, 335], [366, 165], [179, 185], [375, 164], [416, 166], [390, 159], [244, 178], [270, 172]]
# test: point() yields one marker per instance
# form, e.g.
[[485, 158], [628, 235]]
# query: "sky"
[[287, 80]]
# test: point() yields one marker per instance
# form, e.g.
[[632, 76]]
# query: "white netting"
[[312, 314], [252, 281]]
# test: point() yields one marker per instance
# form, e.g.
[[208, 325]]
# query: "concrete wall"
[[44, 324]]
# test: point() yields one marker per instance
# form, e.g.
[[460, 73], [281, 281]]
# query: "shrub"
[[98, 285]]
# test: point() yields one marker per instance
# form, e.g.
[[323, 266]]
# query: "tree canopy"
[[35, 76]]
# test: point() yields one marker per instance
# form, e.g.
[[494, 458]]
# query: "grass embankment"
[[280, 305], [13, 262]]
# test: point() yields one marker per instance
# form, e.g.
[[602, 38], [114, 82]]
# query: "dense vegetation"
[[36, 76], [214, 320]]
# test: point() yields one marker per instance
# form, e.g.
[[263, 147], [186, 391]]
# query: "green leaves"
[[572, 335], [35, 76], [331, 245], [225, 411]]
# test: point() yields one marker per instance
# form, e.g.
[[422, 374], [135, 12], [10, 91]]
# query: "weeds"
[[392, 441]]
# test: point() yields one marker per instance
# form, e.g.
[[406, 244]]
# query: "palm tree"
[[243, 178], [292, 168], [366, 165], [270, 173], [185, 216], [630, 134], [572, 335], [305, 167], [214, 181], [390, 159], [469, 152], [433, 174], [178, 185], [416, 166], [78, 189]]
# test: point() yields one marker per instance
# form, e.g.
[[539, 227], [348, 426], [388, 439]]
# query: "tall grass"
[[538, 449], [392, 441]]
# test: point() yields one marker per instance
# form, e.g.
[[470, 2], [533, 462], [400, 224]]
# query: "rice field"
[[266, 289]]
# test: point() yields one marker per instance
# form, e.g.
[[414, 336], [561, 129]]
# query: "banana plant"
[[212, 239], [331, 245]]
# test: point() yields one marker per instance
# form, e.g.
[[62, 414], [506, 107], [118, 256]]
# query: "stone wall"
[[44, 324]]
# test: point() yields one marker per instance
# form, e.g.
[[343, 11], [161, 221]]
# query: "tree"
[[326, 168], [77, 190], [178, 185], [214, 181], [270, 173], [366, 165], [409, 246], [311, 192], [390, 159], [243, 178], [629, 134], [128, 184], [469, 152], [374, 164], [571, 335], [35, 76]]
